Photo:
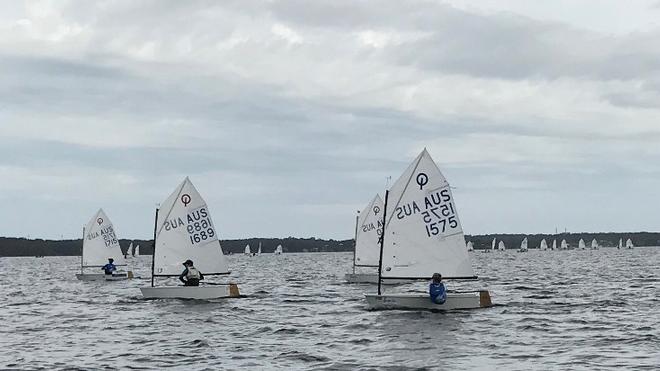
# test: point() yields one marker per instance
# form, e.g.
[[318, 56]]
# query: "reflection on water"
[[555, 310]]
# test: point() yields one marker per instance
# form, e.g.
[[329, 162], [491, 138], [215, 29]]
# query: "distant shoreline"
[[12, 246]]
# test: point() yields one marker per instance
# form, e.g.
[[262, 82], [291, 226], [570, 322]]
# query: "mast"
[[357, 218], [153, 253], [81, 250], [382, 240]]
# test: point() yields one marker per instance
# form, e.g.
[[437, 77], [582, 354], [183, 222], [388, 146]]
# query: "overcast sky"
[[289, 116]]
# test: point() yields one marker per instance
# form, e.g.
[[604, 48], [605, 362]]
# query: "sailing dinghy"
[[594, 244], [259, 250], [523, 245], [544, 245], [500, 246], [554, 244], [470, 246], [620, 244], [564, 245], [278, 250], [582, 245], [422, 236], [184, 230], [100, 243], [492, 246], [247, 250], [137, 251], [629, 244]]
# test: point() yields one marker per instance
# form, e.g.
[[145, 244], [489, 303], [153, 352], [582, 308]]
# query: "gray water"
[[555, 310]]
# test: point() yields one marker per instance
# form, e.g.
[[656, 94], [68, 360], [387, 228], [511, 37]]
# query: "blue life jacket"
[[437, 292], [109, 268]]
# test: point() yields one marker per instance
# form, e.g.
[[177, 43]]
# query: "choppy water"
[[556, 310]]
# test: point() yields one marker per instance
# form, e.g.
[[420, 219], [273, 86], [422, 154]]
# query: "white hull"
[[370, 278], [103, 276], [191, 292], [462, 300]]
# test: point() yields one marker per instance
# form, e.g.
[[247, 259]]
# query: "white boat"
[[594, 244], [564, 245], [130, 251], [470, 246], [629, 244], [582, 245], [247, 250], [100, 243], [137, 250], [184, 230], [500, 246], [259, 250], [620, 243], [544, 245], [422, 236], [554, 244], [523, 245], [278, 250], [366, 251]]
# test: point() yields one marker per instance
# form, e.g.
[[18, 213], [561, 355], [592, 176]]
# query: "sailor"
[[110, 267], [190, 276], [437, 289]]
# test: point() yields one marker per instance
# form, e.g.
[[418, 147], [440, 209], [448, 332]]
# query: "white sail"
[[544, 245], [259, 250], [581, 244], [137, 250], [278, 250], [423, 234], [184, 230], [470, 246], [629, 244], [501, 246], [554, 244], [564, 245], [100, 242], [620, 243], [370, 227], [247, 249], [594, 244], [523, 244], [130, 250], [492, 245]]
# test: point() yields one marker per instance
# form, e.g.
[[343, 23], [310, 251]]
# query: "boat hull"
[[191, 292], [455, 301], [370, 278]]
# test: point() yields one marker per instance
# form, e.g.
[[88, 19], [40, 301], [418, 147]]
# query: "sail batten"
[[423, 234]]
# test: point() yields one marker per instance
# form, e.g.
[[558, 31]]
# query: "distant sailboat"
[[629, 244], [100, 243], [564, 245], [501, 246], [417, 245], [554, 244], [278, 250], [130, 250], [594, 244], [544, 245], [184, 230], [620, 244], [582, 245], [523, 245], [470, 246], [259, 250], [247, 250], [137, 251], [492, 246]]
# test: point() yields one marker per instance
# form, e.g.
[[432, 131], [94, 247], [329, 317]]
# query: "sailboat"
[[500, 246], [470, 246], [422, 236], [620, 244], [184, 230], [136, 252], [544, 245], [629, 244], [554, 244], [129, 251], [100, 243], [278, 250], [594, 244], [247, 250], [366, 253], [523, 245], [259, 251], [492, 246], [582, 245], [564, 245]]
